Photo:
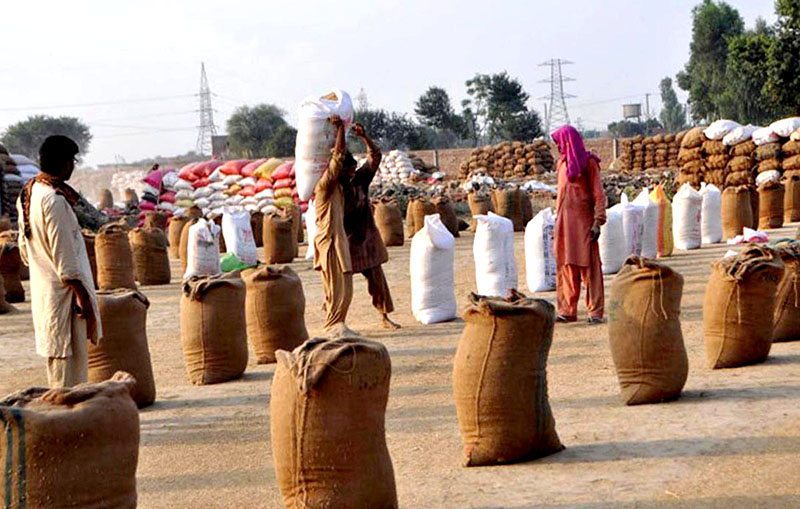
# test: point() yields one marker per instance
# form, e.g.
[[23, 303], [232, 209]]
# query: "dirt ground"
[[732, 440]]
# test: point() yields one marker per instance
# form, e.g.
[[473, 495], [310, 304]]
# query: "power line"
[[153, 115], [103, 103], [149, 131]]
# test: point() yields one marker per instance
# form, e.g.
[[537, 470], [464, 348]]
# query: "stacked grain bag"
[[395, 168], [17, 171], [643, 153], [790, 164], [509, 159], [691, 167], [715, 151]]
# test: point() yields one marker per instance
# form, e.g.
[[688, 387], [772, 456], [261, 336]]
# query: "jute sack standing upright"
[[70, 448], [418, 208], [114, 258], [174, 231], [280, 238], [150, 257], [739, 306], [479, 205], [791, 197], [644, 332], [184, 243], [88, 241], [787, 301], [257, 225], [10, 270], [507, 203], [5, 307], [770, 205], [327, 417], [737, 211], [155, 220], [123, 314], [389, 221], [500, 380], [213, 328], [274, 310], [447, 213]]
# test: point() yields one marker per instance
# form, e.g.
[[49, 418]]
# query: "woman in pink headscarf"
[[580, 211]]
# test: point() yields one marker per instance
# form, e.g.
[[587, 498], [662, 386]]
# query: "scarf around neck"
[[60, 187]]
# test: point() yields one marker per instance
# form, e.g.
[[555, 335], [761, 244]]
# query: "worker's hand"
[[336, 121], [358, 130], [594, 233]]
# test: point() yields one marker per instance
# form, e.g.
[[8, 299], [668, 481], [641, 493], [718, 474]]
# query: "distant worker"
[[580, 212], [63, 302], [331, 249], [367, 250]]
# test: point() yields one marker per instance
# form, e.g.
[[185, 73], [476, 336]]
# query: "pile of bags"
[[509, 159], [691, 167], [15, 171], [647, 152], [123, 181], [395, 168]]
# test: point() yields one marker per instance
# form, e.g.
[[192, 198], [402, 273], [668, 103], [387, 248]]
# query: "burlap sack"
[[644, 332], [184, 244], [274, 311], [769, 165], [745, 148], [694, 167], [123, 314], [739, 178], [787, 301], [10, 269], [713, 147], [213, 328], [174, 231], [768, 151], [739, 306], [693, 180], [479, 205], [790, 148], [418, 208], [717, 161], [5, 307], [71, 448], [114, 258], [447, 213], [155, 219], [150, 257], [791, 163], [791, 196], [327, 412], [507, 203], [741, 163], [280, 238], [257, 225], [688, 155], [88, 242], [770, 205], [389, 221], [130, 197], [504, 345], [106, 200], [693, 138], [737, 211]]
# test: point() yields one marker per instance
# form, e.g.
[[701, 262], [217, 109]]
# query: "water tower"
[[630, 111]]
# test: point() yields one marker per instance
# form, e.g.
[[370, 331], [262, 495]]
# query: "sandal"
[[566, 319], [593, 320]]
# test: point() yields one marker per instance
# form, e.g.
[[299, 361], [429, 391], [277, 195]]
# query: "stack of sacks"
[[643, 153], [17, 170], [790, 164], [121, 181], [715, 150], [283, 185], [690, 158], [509, 159], [395, 168], [159, 193], [741, 160]]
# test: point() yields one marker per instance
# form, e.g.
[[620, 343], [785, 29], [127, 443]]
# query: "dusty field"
[[733, 440]]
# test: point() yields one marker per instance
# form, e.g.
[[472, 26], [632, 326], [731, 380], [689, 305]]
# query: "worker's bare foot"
[[340, 330], [389, 324]]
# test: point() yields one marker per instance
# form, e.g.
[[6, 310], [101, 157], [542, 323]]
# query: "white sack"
[[238, 234], [632, 223], [785, 127], [718, 129], [763, 136], [768, 176], [311, 228], [613, 247], [540, 255], [711, 214], [433, 297], [686, 218], [316, 137], [649, 224], [493, 249], [740, 134], [203, 249]]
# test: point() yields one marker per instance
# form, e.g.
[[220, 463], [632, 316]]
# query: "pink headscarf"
[[570, 145]]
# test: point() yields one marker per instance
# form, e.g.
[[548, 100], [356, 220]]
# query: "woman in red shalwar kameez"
[[580, 211]]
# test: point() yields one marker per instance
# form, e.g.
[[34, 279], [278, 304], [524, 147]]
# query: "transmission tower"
[[556, 115], [206, 129]]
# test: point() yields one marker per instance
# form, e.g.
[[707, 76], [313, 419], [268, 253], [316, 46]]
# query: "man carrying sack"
[[331, 249], [367, 250], [63, 302]]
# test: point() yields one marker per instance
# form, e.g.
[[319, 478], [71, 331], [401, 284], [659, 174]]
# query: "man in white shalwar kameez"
[[63, 302]]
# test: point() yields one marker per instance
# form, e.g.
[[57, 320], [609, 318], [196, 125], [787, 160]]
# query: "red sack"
[[262, 184], [248, 191], [304, 206], [233, 167], [249, 170], [295, 194], [211, 166], [283, 171], [187, 172], [203, 182], [291, 173], [147, 205], [169, 196], [281, 183]]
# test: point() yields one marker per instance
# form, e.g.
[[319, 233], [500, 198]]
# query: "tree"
[[673, 115], [26, 137], [705, 76], [251, 131], [433, 109], [783, 79], [282, 142], [628, 129], [500, 109], [746, 98]]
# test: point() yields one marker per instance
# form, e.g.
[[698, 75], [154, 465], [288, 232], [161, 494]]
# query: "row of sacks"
[[511, 203]]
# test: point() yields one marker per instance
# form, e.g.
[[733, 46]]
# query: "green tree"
[[251, 130], [433, 109], [783, 78], [628, 129], [26, 137], [746, 98], [673, 115], [705, 75], [498, 103], [282, 141]]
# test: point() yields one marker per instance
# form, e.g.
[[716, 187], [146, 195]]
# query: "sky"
[[131, 70]]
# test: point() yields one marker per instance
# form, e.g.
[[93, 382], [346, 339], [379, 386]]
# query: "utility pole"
[[647, 106], [206, 129], [557, 114]]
